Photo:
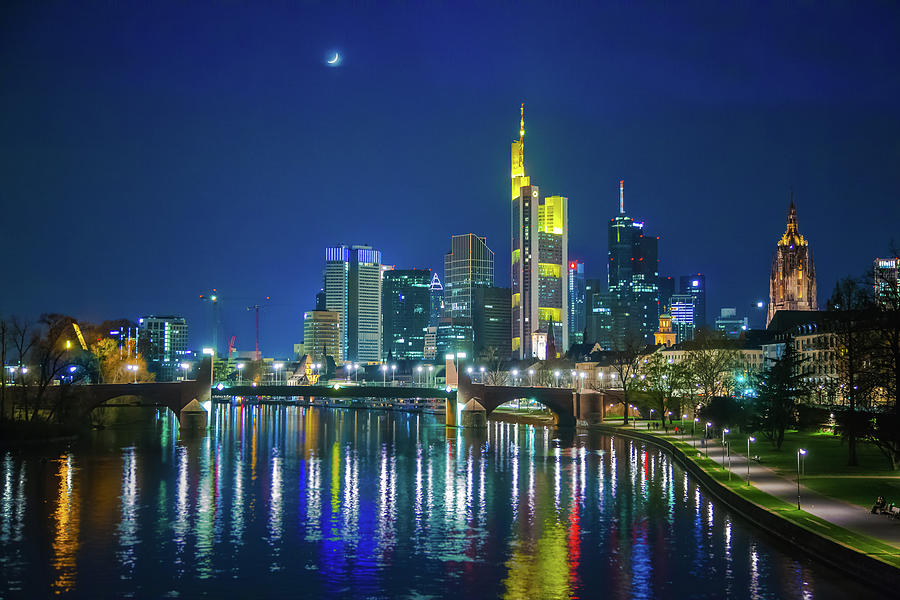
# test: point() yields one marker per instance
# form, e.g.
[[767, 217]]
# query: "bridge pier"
[[473, 415], [193, 417], [450, 413]]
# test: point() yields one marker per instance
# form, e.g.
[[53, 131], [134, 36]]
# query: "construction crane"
[[80, 337], [230, 347], [213, 299], [256, 308]]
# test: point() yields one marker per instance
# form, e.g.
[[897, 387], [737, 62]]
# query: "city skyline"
[[138, 173]]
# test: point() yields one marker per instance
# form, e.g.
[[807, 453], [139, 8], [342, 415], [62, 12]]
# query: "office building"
[[437, 301], [353, 290], [577, 288], [322, 335], [682, 310], [887, 293], [540, 241], [792, 282], [729, 323], [666, 289], [455, 336], [430, 342], [695, 287], [168, 344], [468, 265], [490, 322], [592, 287], [406, 310], [633, 277]]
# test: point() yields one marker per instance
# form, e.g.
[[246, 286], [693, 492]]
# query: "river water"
[[340, 503]]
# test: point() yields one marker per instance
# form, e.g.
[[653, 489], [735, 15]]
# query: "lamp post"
[[581, 376], [515, 374], [430, 369], [277, 367], [134, 369], [481, 370], [800, 452], [393, 370], [184, 366], [384, 374], [749, 439], [683, 417], [724, 431], [240, 370], [705, 438], [531, 377], [651, 414], [419, 371], [555, 378]]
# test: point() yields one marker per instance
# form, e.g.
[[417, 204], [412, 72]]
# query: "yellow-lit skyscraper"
[[540, 239]]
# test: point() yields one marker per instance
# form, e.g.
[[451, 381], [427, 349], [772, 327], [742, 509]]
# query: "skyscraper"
[[437, 301], [468, 265], [406, 309], [490, 322], [682, 310], [885, 271], [695, 286], [540, 240], [353, 290], [792, 282], [577, 291], [633, 276]]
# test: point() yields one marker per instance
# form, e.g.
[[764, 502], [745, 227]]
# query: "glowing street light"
[[277, 367], [134, 370], [384, 374], [184, 366], [481, 370], [419, 371], [749, 439], [393, 370], [705, 438], [555, 378], [800, 452], [531, 377], [515, 374], [240, 370], [430, 369]]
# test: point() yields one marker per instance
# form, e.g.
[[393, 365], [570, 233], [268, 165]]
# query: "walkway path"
[[844, 514]]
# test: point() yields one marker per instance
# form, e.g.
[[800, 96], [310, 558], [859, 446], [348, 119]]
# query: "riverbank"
[[26, 433], [522, 418], [862, 556]]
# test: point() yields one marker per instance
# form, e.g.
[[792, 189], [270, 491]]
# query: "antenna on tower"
[[522, 123], [621, 196]]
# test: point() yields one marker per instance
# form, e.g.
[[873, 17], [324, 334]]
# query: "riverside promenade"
[[854, 518]]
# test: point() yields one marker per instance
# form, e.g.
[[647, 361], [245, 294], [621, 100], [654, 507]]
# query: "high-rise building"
[[792, 282], [592, 287], [353, 290], [540, 239], [885, 272], [682, 309], [577, 293], [468, 265], [168, 337], [490, 322], [322, 334], [729, 323], [406, 309], [437, 301], [666, 289], [633, 275], [695, 286]]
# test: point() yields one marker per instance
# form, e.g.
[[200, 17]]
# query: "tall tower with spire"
[[792, 283], [540, 238]]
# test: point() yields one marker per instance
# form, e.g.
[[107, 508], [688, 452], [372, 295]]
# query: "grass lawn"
[[825, 466]]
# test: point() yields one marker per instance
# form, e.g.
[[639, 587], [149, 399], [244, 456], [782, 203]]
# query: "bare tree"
[[625, 363], [711, 361]]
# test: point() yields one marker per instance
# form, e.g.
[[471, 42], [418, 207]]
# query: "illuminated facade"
[[577, 293], [353, 290], [539, 260], [664, 335], [633, 297], [469, 265], [322, 335], [792, 283], [406, 308], [168, 337], [695, 287], [682, 310], [490, 322], [887, 293]]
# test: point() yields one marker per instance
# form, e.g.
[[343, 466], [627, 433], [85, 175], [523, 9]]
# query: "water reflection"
[[338, 503]]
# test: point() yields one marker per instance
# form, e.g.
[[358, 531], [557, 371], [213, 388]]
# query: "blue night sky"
[[152, 151]]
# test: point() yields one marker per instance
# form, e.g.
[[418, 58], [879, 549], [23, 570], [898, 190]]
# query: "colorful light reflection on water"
[[304, 502]]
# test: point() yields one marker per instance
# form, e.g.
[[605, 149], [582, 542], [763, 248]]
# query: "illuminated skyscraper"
[[540, 239], [887, 292], [353, 290], [437, 301], [577, 292], [406, 308], [695, 287], [168, 337], [682, 311], [322, 335], [469, 265], [792, 283], [633, 277]]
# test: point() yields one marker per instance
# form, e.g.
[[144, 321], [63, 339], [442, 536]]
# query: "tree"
[[849, 309], [119, 363], [661, 378], [780, 389], [711, 361], [626, 362]]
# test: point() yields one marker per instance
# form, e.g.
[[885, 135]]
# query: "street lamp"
[[384, 374], [800, 452], [582, 375], [515, 374], [419, 371], [240, 370], [749, 439], [393, 370], [531, 377], [706, 438], [430, 369], [134, 369], [277, 367], [184, 366], [481, 369], [724, 431], [555, 378]]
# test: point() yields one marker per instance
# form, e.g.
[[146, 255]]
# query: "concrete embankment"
[[864, 567]]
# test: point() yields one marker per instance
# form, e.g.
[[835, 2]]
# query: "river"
[[284, 501]]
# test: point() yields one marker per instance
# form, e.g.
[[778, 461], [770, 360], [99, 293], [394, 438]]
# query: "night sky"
[[152, 151]]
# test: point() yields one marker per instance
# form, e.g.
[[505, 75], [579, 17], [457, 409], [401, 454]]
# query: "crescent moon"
[[335, 59]]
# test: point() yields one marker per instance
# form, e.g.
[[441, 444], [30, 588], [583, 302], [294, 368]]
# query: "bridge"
[[177, 396], [467, 406]]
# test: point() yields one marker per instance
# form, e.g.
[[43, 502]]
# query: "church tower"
[[792, 284]]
